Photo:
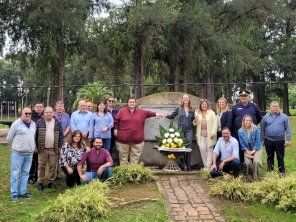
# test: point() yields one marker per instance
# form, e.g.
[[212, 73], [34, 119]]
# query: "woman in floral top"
[[71, 153]]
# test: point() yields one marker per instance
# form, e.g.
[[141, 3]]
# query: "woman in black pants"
[[185, 112], [71, 153]]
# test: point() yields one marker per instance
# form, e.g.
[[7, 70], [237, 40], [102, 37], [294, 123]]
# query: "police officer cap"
[[244, 92]]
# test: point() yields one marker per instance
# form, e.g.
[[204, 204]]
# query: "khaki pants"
[[48, 155], [206, 152], [133, 152], [253, 165]]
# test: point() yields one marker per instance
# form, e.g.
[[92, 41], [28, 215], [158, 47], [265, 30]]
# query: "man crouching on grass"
[[226, 155], [21, 137], [99, 163]]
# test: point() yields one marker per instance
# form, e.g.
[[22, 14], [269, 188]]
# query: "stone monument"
[[165, 102]]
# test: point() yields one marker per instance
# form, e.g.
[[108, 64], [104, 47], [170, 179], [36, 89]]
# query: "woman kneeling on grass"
[[71, 153], [249, 139]]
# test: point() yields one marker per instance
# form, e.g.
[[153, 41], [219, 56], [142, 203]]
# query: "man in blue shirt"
[[64, 120], [244, 107], [80, 120], [275, 135], [226, 155]]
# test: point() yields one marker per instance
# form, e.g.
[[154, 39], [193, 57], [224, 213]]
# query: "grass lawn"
[[254, 211], [25, 210]]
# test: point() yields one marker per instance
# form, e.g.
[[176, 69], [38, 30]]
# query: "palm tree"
[[93, 92]]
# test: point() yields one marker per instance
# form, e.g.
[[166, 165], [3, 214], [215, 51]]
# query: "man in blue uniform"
[[244, 107]]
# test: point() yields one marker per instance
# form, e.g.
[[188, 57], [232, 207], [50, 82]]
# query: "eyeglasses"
[[28, 114], [111, 101]]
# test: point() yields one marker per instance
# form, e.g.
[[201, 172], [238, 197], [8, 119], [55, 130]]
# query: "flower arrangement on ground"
[[171, 140]]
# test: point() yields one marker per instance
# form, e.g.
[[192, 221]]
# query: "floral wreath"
[[171, 138]]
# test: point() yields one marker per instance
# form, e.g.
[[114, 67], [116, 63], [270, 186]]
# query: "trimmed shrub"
[[131, 173], [82, 203], [277, 190], [231, 188]]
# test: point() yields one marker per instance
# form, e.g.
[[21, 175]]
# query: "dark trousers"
[[112, 143], [234, 165], [185, 162], [34, 168], [71, 179], [278, 147]]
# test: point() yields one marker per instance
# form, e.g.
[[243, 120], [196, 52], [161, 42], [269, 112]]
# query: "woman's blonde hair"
[[244, 125], [218, 109]]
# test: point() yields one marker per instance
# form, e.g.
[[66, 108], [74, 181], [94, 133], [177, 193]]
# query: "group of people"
[[230, 140], [41, 136]]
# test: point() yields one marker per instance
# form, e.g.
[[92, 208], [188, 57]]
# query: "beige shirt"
[[49, 134]]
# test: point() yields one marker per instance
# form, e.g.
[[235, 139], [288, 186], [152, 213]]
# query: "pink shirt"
[[95, 161]]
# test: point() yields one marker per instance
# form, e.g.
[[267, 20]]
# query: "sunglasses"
[[28, 114], [111, 101]]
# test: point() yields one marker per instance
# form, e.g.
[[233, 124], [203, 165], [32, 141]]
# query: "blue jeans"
[[233, 165], [107, 144], [19, 163], [107, 172]]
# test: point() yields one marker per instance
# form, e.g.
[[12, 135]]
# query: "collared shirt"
[[80, 121], [64, 119], [227, 150], [113, 113], [95, 160], [276, 127]]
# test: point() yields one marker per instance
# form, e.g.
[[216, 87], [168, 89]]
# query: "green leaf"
[[162, 131], [159, 140], [172, 125]]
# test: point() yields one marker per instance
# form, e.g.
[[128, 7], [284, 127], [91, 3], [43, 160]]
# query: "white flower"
[[176, 140], [171, 130], [180, 141], [166, 135], [164, 141], [177, 134], [169, 140], [172, 135]]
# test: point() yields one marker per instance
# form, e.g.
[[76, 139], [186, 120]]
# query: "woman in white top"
[[206, 132]]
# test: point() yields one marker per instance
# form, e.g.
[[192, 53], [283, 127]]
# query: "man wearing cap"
[[244, 107]]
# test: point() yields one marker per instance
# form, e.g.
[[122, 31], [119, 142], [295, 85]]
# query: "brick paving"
[[186, 200]]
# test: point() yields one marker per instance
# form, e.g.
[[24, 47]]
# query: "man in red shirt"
[[129, 125], [99, 162]]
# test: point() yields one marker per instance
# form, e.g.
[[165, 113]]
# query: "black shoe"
[[189, 168], [30, 181], [51, 186], [40, 186]]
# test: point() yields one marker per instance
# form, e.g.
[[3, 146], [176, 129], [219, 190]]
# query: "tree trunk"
[[286, 97], [139, 68], [229, 90], [173, 78], [56, 93], [183, 74]]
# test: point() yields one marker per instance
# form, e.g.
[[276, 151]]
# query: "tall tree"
[[45, 33]]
